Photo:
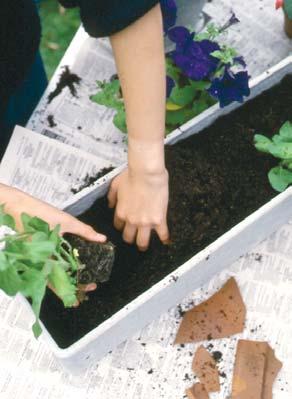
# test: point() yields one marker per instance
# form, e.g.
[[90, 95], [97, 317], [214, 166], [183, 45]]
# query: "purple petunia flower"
[[193, 58], [232, 21], [170, 83], [230, 87], [169, 12]]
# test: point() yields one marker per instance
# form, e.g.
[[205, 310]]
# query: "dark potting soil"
[[217, 178], [67, 79]]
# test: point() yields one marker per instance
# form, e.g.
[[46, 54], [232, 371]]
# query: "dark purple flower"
[[240, 60], [230, 87], [193, 58], [232, 21], [170, 83], [169, 12]]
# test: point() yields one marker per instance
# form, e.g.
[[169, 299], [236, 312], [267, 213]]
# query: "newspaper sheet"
[[148, 365], [45, 168]]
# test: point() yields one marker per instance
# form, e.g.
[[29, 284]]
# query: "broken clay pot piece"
[[204, 366], [256, 369], [220, 316], [197, 391]]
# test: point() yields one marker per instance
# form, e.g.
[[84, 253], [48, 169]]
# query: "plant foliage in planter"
[[38, 257], [35, 257], [199, 72], [280, 146]]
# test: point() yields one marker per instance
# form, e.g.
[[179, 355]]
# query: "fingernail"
[[98, 237], [91, 287]]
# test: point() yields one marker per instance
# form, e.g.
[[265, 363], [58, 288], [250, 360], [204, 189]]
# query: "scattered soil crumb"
[[67, 79], [51, 120]]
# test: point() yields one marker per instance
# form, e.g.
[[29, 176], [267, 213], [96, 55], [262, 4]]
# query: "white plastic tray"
[[192, 274]]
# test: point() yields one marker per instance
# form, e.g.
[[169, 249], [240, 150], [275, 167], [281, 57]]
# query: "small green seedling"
[[34, 258], [280, 146]]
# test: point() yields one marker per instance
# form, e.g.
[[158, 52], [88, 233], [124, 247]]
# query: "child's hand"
[[16, 202], [141, 206]]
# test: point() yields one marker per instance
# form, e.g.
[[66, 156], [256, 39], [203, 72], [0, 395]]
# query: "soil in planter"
[[217, 178]]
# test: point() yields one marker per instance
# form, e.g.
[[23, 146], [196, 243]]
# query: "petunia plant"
[[286, 5], [199, 72], [279, 146], [34, 258]]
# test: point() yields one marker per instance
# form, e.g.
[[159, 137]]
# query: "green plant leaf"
[[120, 121], [10, 281], [109, 95], [6, 219], [262, 143], [182, 95], [225, 55], [200, 86], [33, 223], [34, 287], [62, 285], [280, 178], [286, 132], [172, 70]]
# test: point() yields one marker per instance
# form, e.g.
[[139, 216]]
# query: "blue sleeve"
[[106, 17]]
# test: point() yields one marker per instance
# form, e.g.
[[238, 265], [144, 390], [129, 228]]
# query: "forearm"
[[139, 54]]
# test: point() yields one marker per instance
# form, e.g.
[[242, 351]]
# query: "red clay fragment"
[[204, 366], [197, 391], [220, 316], [256, 368]]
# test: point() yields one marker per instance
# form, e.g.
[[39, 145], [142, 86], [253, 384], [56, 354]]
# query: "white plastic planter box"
[[192, 274]]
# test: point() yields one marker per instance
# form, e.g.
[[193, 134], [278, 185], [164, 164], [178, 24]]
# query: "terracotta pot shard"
[[197, 391], [220, 316], [204, 366], [256, 368]]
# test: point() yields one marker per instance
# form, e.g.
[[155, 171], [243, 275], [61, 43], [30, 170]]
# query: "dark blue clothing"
[[22, 77]]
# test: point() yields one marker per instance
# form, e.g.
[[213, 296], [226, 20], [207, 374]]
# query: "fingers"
[[129, 233], [112, 195], [143, 238], [74, 226], [163, 233]]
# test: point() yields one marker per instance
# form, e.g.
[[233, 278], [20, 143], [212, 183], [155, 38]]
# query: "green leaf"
[[10, 281], [55, 237], [211, 32], [225, 55], [172, 70], [34, 224], [262, 143], [4, 261], [120, 121], [62, 285], [179, 117], [182, 95], [280, 178], [286, 132], [281, 150], [6, 219], [200, 86], [34, 287], [200, 106], [109, 95], [288, 8]]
